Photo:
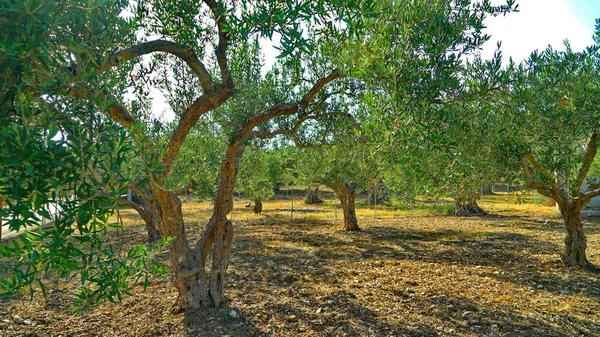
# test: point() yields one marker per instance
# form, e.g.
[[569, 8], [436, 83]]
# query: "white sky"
[[538, 23]]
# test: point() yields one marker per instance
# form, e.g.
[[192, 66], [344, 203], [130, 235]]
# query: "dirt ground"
[[405, 274]]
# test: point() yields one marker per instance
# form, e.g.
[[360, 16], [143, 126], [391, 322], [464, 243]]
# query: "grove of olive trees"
[[360, 97]]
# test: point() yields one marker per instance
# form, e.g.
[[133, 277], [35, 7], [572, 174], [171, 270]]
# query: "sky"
[[540, 23]]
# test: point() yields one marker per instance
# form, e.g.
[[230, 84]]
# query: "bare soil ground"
[[405, 274]]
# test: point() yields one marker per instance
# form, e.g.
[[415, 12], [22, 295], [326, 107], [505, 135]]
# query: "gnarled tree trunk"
[[195, 285], [313, 197], [347, 197], [257, 206], [218, 233], [575, 240], [186, 261], [467, 207]]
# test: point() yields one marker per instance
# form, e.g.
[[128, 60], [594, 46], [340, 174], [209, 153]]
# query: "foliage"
[[256, 179], [553, 111], [59, 159]]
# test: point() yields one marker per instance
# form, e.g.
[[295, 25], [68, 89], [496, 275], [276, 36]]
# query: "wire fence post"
[[375, 200], [292, 212]]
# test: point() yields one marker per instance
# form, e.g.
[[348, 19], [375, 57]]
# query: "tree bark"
[[467, 206], [347, 197], [217, 236], [149, 211], [257, 206], [187, 262], [575, 240]]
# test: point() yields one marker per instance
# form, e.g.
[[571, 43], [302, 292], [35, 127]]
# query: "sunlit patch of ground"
[[409, 272]]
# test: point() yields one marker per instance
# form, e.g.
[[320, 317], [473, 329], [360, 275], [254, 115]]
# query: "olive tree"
[[552, 131]]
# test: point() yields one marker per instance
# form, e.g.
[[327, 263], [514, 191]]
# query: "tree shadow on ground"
[[308, 274], [591, 226], [508, 252]]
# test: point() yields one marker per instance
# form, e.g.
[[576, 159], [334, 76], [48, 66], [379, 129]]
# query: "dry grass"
[[404, 274]]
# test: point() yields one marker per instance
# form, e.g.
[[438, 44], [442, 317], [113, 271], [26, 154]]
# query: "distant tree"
[[346, 170], [255, 177], [415, 65]]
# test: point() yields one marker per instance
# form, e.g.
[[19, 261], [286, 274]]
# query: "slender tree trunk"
[[347, 198], [575, 240], [467, 206], [257, 206]]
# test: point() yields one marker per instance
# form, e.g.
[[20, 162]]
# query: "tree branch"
[[541, 188], [284, 109], [291, 132], [321, 83], [219, 13], [538, 167], [184, 53], [203, 104], [588, 158], [590, 194]]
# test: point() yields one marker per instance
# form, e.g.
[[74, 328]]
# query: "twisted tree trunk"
[[218, 233], [257, 206], [467, 206], [186, 261], [575, 240], [347, 197]]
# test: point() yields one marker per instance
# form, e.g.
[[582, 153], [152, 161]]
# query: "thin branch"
[[219, 13], [588, 158], [538, 167], [590, 194], [321, 83], [184, 53], [541, 188], [284, 109]]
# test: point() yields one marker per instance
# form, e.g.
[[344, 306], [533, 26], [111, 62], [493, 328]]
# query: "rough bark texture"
[[313, 196], [467, 207], [186, 261], [257, 206], [575, 240], [347, 197], [218, 233]]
